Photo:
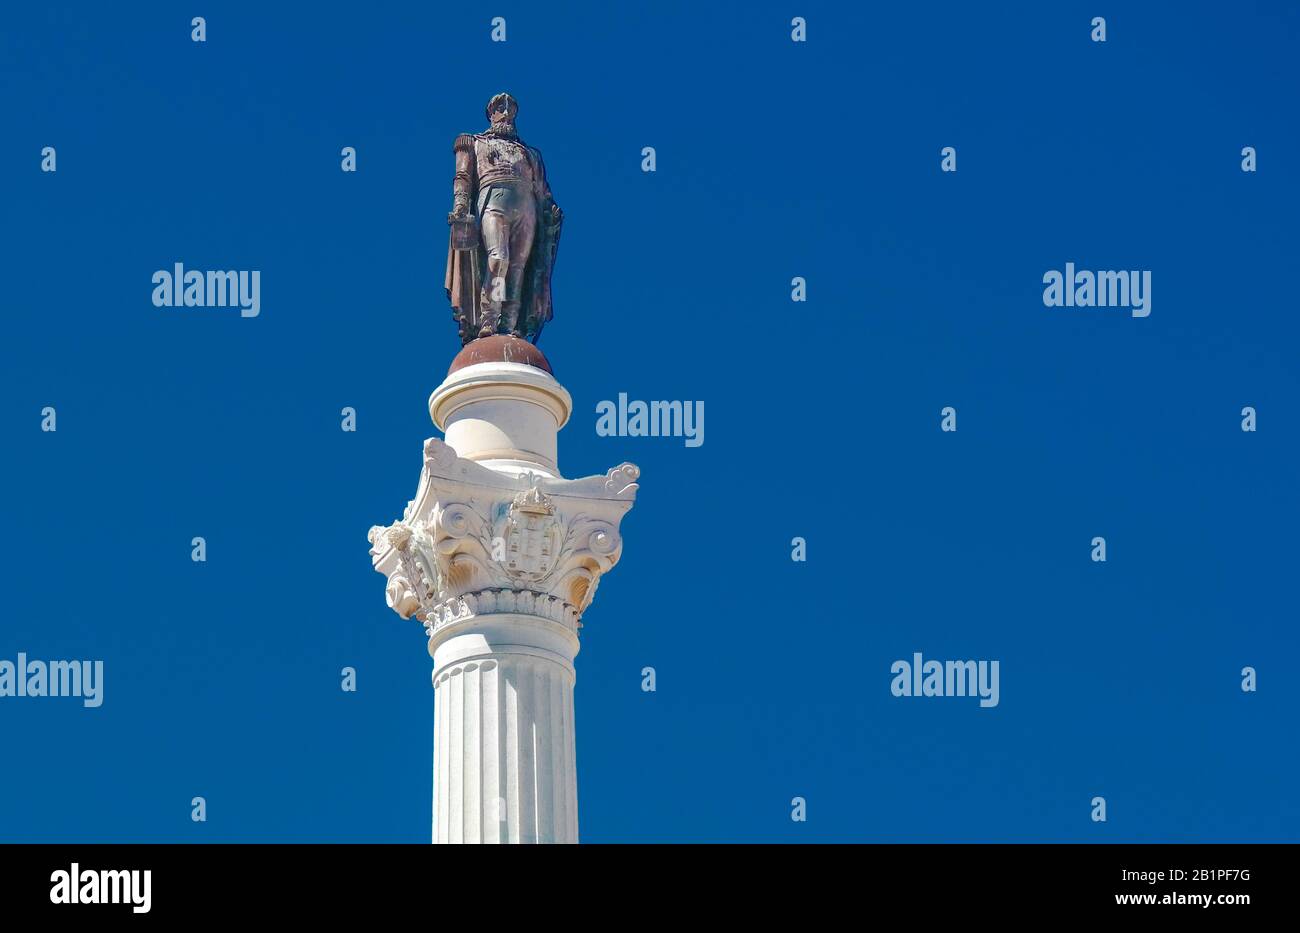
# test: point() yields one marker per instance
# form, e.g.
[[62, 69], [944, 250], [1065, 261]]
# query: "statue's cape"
[[464, 281], [537, 298]]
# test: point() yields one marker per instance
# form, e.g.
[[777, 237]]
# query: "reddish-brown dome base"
[[499, 349]]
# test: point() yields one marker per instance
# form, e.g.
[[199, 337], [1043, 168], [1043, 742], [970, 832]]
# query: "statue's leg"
[[495, 226], [523, 232]]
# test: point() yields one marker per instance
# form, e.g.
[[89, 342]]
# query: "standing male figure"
[[505, 231]]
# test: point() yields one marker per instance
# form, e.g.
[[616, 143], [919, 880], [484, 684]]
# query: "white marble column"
[[500, 557], [504, 767]]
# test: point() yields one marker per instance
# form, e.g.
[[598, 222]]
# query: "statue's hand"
[[557, 215], [459, 211]]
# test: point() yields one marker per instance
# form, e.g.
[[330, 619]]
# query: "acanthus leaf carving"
[[475, 542]]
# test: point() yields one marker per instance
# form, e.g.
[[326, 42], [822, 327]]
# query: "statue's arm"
[[465, 180]]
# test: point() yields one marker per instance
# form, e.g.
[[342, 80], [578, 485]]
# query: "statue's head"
[[501, 110]]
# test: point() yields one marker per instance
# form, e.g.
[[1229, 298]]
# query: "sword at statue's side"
[[465, 239]]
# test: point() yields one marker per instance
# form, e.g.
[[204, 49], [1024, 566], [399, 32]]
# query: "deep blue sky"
[[775, 159]]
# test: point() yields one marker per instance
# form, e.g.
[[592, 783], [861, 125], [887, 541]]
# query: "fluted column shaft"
[[504, 751]]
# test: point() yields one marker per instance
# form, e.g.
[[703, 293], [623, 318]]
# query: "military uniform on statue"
[[505, 231]]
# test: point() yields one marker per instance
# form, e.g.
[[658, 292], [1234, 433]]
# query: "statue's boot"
[[510, 317], [491, 315]]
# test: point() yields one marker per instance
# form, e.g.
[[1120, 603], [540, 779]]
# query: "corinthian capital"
[[475, 541]]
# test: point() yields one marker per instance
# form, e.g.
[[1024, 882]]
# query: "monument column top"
[[505, 415]]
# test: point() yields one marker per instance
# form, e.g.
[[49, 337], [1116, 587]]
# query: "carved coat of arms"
[[532, 536]]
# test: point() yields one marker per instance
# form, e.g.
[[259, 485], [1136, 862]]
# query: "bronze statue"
[[505, 230]]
